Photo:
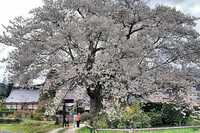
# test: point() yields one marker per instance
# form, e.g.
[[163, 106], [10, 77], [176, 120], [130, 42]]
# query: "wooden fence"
[[147, 129]]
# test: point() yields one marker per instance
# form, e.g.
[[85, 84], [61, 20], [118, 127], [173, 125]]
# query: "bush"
[[38, 114], [10, 121], [114, 123], [22, 114], [5, 113], [100, 123], [155, 117], [130, 117], [171, 114], [85, 116]]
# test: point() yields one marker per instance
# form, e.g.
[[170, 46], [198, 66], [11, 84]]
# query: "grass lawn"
[[30, 126], [85, 130]]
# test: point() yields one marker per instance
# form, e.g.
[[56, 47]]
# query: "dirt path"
[[55, 130], [70, 130]]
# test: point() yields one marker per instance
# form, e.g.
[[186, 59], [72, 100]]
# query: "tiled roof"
[[74, 95], [23, 95]]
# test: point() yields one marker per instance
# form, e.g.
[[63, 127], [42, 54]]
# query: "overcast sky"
[[8, 10], [12, 8]]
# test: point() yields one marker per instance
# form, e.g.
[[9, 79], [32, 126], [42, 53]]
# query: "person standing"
[[64, 121], [75, 118], [78, 119], [67, 121]]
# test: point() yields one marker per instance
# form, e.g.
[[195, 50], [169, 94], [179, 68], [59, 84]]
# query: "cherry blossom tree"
[[113, 48]]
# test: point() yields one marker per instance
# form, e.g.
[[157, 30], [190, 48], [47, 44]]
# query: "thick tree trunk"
[[95, 108], [95, 102], [95, 98]]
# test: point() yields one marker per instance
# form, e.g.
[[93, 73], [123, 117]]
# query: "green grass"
[[30, 126], [85, 130]]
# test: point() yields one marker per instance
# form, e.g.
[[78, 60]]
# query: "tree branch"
[[78, 10]]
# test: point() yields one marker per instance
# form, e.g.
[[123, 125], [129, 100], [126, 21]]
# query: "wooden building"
[[23, 99]]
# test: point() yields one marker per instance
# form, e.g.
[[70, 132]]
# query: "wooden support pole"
[[63, 113]]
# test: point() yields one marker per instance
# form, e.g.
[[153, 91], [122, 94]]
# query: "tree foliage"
[[134, 117], [111, 47], [5, 89], [129, 117], [39, 112], [9, 89], [48, 95], [172, 114]]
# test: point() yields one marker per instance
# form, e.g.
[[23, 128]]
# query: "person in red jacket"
[[78, 119]]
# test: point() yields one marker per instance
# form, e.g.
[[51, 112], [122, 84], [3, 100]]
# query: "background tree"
[[2, 90], [111, 47], [5, 88], [9, 89]]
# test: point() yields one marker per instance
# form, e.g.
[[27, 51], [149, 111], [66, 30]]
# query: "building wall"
[[22, 106]]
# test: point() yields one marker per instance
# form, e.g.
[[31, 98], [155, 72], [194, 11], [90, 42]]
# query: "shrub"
[[6, 112], [41, 107], [114, 123], [10, 121], [100, 123], [22, 114], [130, 117], [85, 116], [171, 114], [38, 114], [189, 121], [155, 117]]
